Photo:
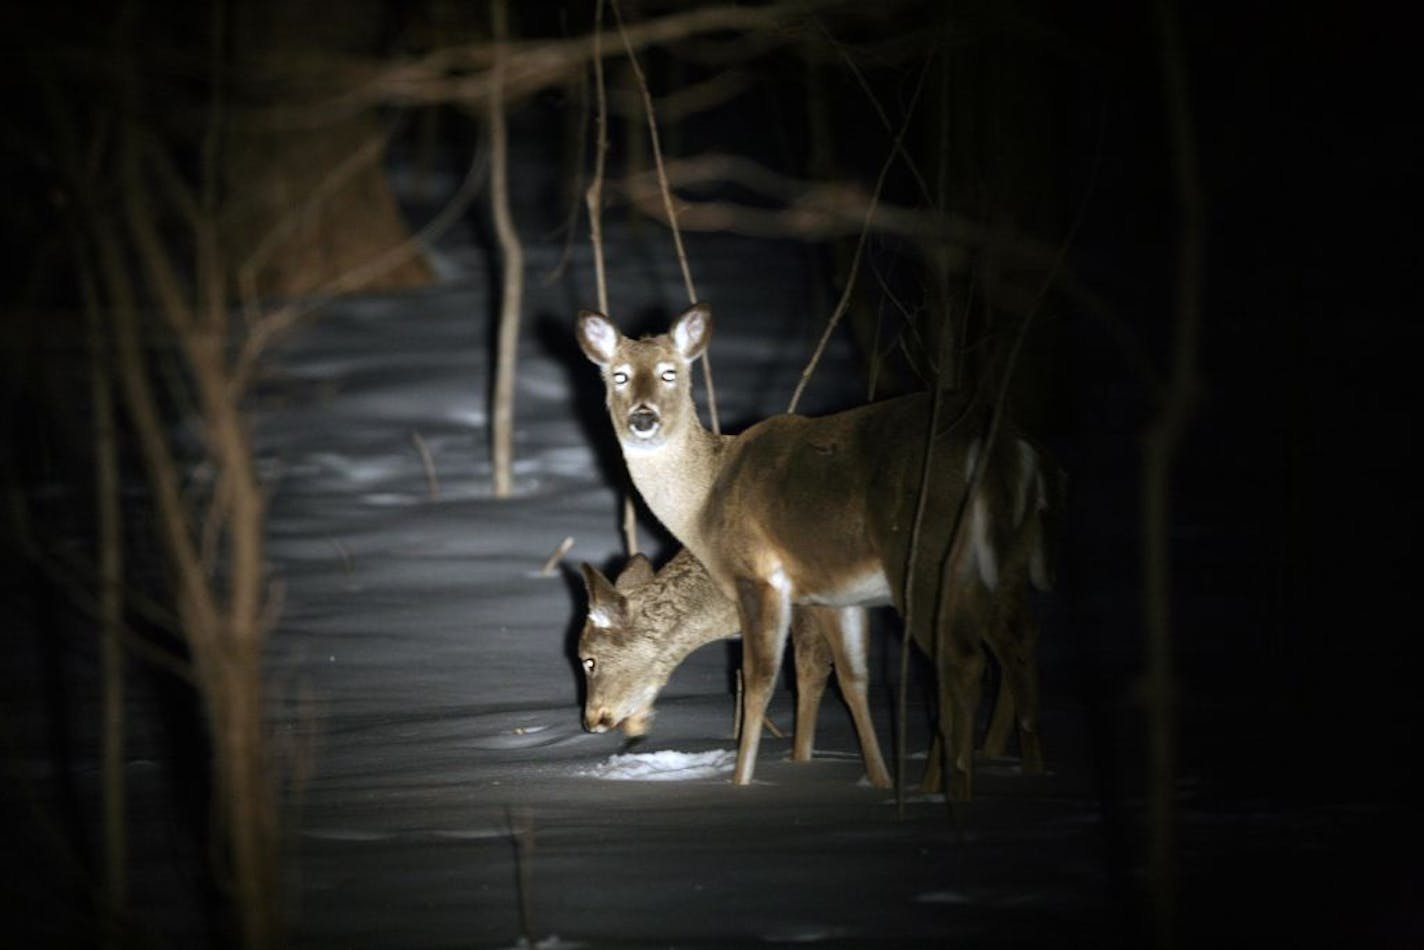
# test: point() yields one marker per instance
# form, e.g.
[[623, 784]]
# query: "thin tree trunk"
[[247, 803], [111, 604], [225, 634], [512, 288], [594, 199], [1160, 446]]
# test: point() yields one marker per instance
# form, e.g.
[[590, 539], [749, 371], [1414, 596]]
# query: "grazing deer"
[[821, 511], [643, 625]]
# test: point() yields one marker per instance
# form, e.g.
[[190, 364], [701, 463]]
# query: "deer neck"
[[676, 478]]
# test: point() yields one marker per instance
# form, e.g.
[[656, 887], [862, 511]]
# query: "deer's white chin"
[[643, 446]]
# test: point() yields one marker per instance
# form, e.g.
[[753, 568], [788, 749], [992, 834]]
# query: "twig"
[[461, 74], [844, 303], [521, 829], [594, 199], [630, 522], [912, 564], [211, 291], [428, 463], [569, 226], [109, 522], [879, 110], [594, 196], [348, 564], [694, 99], [668, 206], [548, 569]]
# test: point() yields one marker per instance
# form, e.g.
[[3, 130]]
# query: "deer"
[[798, 511], [640, 627]]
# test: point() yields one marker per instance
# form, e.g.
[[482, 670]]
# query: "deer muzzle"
[[643, 421], [600, 721]]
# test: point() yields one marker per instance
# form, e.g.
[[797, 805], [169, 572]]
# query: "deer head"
[[624, 667], [648, 381]]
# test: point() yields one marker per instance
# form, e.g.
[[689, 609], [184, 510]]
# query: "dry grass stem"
[[521, 829], [630, 523], [432, 480], [548, 569]]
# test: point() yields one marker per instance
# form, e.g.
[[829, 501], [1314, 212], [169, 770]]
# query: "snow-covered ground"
[[427, 679]]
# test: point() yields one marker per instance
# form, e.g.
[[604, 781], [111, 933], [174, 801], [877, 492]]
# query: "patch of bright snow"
[[665, 766]]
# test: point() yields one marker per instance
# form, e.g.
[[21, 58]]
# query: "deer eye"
[[620, 378], [588, 664], [669, 375]]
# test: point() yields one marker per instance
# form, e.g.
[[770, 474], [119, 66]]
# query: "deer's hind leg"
[[1001, 724], [1016, 631], [812, 629], [850, 645], [959, 669]]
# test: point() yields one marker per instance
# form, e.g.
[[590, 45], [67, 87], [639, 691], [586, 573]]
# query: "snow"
[[433, 679], [665, 766]]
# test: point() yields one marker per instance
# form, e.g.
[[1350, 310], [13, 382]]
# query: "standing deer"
[[821, 511], [643, 625]]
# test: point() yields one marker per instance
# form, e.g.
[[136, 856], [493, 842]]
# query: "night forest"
[[301, 460]]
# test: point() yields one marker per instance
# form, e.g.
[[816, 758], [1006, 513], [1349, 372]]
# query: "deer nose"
[[643, 420], [599, 721]]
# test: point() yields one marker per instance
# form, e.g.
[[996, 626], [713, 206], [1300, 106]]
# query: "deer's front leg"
[[764, 609]]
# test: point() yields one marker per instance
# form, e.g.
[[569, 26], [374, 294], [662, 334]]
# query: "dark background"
[[1295, 503]]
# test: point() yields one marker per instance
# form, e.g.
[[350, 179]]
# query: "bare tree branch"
[[512, 285], [666, 191], [461, 74], [594, 196], [844, 303]]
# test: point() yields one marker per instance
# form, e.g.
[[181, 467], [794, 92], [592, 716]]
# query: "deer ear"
[[638, 571], [598, 337], [692, 331], [606, 607]]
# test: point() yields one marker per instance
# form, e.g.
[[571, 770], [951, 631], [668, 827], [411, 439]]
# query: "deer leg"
[[851, 649], [959, 665], [1001, 724], [1018, 659], [812, 651], [765, 613], [996, 740], [934, 767]]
